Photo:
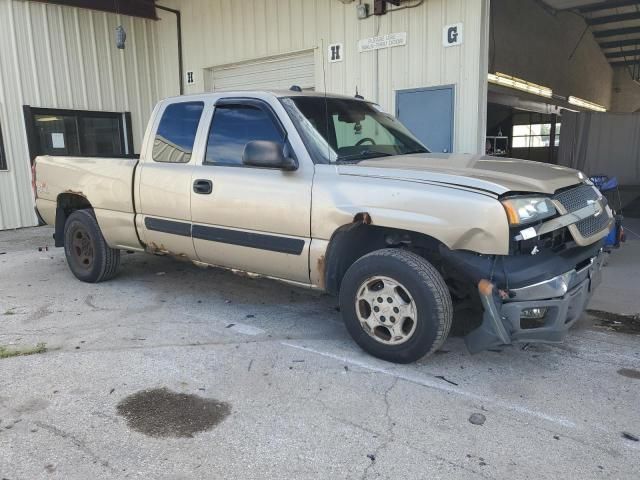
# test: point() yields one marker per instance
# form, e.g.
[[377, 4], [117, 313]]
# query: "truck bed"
[[108, 183]]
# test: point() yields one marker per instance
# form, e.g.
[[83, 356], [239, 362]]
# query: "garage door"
[[273, 73]]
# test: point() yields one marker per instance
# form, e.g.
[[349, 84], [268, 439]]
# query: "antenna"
[[326, 103]]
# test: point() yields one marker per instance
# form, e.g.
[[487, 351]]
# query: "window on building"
[[177, 132], [101, 136], [234, 126], [78, 133], [3, 159], [57, 134], [536, 135]]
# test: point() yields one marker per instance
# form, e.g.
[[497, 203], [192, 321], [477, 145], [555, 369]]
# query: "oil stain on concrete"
[[162, 413], [630, 373], [619, 323]]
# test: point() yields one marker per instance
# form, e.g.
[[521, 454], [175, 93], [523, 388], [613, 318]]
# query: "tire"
[[408, 278], [89, 257]]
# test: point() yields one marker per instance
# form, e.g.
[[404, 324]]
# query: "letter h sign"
[[335, 52]]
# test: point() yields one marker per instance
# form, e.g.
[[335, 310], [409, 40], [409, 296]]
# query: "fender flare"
[[67, 203]]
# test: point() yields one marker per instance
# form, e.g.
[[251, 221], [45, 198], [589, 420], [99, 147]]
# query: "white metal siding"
[[63, 57], [53, 56], [225, 32], [274, 73]]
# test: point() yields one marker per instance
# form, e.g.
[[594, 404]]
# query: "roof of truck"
[[276, 93]]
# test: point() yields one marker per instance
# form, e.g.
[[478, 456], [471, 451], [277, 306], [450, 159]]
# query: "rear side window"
[[177, 132], [234, 126]]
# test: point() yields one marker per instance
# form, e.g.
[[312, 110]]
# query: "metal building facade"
[[63, 57], [223, 36]]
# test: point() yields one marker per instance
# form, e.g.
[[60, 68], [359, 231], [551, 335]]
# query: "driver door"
[[253, 219]]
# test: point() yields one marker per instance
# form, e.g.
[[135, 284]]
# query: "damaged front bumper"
[[541, 312], [528, 298]]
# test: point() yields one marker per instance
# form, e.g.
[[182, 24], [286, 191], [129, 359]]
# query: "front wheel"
[[396, 305], [88, 255]]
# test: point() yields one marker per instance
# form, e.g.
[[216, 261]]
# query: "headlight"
[[523, 210]]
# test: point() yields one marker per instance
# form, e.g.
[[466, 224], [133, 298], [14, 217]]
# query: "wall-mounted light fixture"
[[362, 11], [519, 84], [121, 37], [579, 102]]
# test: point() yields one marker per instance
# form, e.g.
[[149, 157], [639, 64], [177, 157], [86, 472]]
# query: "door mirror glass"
[[266, 154]]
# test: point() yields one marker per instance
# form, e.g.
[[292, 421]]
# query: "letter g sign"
[[452, 35]]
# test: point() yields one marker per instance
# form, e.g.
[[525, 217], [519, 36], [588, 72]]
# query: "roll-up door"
[[272, 73]]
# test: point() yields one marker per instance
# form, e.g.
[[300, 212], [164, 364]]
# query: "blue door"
[[428, 113]]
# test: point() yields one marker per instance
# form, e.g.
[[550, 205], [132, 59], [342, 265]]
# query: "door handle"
[[203, 187]]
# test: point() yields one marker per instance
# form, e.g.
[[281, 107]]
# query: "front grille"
[[580, 197], [592, 225], [576, 198]]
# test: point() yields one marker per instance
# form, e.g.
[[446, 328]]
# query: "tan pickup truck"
[[334, 194]]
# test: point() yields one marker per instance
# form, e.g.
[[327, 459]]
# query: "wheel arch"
[[66, 204], [360, 237]]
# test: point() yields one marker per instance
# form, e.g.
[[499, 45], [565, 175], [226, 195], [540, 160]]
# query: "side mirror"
[[265, 154]]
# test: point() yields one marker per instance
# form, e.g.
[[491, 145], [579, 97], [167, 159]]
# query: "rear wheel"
[[88, 255], [396, 305]]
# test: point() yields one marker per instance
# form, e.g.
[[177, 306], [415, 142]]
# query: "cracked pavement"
[[305, 401]]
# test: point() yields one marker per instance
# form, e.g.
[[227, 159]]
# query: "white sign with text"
[[383, 41]]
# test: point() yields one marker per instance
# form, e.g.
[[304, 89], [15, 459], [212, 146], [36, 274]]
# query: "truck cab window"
[[177, 132], [365, 130], [234, 126], [341, 129]]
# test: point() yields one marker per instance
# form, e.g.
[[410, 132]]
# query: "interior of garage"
[[564, 86]]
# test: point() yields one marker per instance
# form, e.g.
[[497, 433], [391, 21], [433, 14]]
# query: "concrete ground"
[[293, 396]]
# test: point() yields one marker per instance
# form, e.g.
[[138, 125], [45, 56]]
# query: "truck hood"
[[491, 174]]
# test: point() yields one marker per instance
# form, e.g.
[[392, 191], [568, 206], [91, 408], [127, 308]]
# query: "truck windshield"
[[338, 130]]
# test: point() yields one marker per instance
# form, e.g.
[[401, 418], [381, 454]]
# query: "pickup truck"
[[331, 193]]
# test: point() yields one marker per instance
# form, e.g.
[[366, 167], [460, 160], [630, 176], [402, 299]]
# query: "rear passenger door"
[[165, 179], [253, 219]]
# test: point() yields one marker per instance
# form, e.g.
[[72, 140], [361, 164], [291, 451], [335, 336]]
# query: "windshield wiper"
[[419, 150], [365, 155]]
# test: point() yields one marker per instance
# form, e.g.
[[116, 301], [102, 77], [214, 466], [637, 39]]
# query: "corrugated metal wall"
[[52, 56], [63, 57], [223, 32]]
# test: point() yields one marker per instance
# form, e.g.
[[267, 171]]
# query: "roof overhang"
[[615, 25], [134, 8]]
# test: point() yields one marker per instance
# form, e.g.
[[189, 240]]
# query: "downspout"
[[179, 28], [376, 65]]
